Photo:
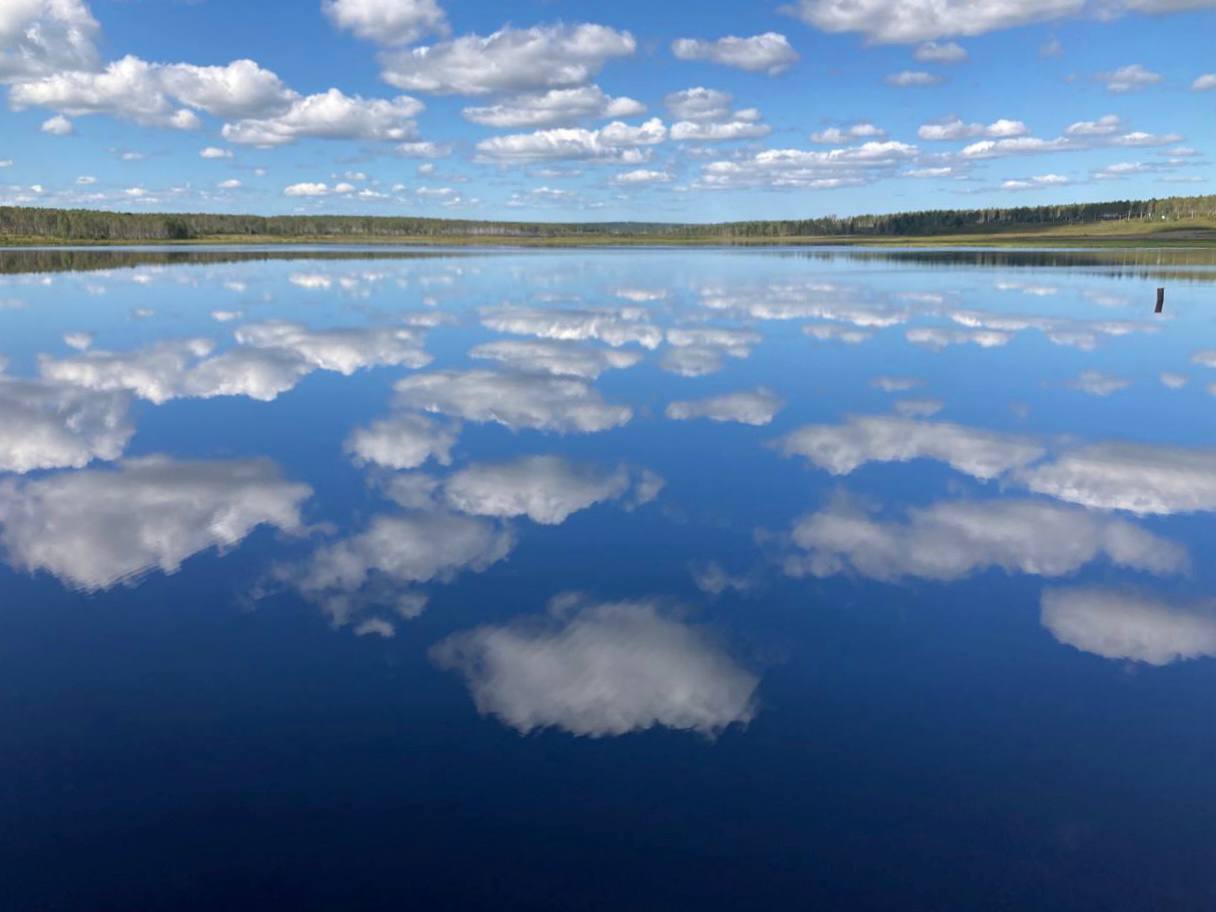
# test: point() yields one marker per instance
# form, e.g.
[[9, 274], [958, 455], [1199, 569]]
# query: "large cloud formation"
[[52, 426], [953, 539], [546, 489], [1117, 624], [601, 669], [97, 527], [536, 401], [840, 449]]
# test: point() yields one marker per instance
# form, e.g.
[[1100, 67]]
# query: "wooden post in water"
[[1160, 300]]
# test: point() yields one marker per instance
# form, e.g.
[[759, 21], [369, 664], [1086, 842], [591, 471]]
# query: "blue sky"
[[563, 110]]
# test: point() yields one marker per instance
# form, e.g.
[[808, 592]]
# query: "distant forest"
[[87, 225]]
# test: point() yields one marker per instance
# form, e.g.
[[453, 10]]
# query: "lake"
[[626, 579]]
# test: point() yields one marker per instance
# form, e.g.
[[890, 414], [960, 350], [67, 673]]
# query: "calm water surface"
[[607, 580]]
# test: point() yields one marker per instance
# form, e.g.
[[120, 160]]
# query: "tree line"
[[91, 225]]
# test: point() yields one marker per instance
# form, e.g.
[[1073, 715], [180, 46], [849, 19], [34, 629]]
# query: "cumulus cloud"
[[755, 407], [1204, 83], [562, 359], [839, 136], [808, 170], [952, 128], [270, 359], [39, 37], [509, 60], [1096, 383], [374, 568], [940, 52], [514, 400], [97, 527], [840, 449], [403, 441], [50, 425], [331, 115], [613, 326], [906, 79], [641, 177], [601, 669], [706, 115], [913, 21], [57, 126], [938, 338], [154, 94], [1128, 625], [546, 489], [387, 22], [768, 53], [830, 332], [954, 539], [555, 107], [1131, 78], [1136, 477], [617, 142]]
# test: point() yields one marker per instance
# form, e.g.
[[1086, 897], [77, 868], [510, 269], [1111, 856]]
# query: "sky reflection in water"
[[880, 577]]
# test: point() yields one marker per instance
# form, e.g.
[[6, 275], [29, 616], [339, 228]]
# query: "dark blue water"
[[603, 580]]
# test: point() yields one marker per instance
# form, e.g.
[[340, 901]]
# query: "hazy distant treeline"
[[96, 225]]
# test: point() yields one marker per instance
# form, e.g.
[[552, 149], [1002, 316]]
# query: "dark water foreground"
[[607, 580]]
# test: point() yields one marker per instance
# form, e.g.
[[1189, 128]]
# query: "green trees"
[[86, 225]]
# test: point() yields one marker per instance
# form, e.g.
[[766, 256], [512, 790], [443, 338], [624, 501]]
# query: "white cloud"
[[842, 448], [78, 340], [1037, 182], [1106, 125], [387, 22], [1096, 383], [374, 568], [954, 539], [601, 669], [420, 149], [1020, 145], [97, 527], [231, 184], [828, 332], [403, 441], [705, 115], [756, 407], [839, 136], [555, 107], [945, 52], [214, 152], [906, 79], [540, 402], [38, 37], [953, 128], [50, 426], [1117, 624], [58, 126], [546, 489], [810, 170], [616, 142], [313, 189], [331, 115], [1205, 83], [1173, 380], [912, 21], [270, 359], [613, 326], [641, 176], [563, 359], [164, 95], [1139, 478], [509, 60], [1131, 78], [768, 53]]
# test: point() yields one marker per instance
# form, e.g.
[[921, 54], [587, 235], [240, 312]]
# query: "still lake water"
[[607, 579]]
